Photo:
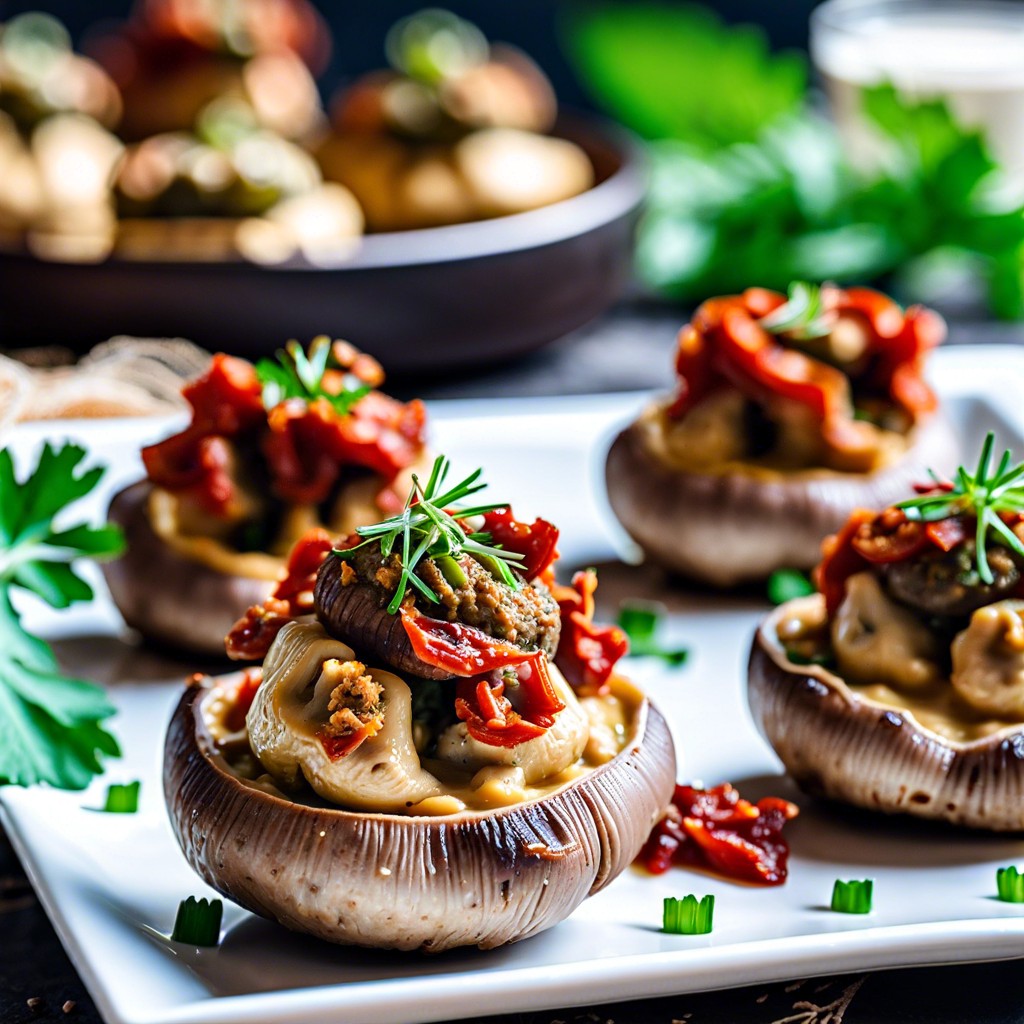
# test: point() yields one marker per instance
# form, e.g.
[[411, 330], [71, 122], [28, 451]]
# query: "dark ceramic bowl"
[[432, 298]]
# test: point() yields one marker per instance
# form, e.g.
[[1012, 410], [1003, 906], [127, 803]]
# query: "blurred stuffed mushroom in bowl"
[[448, 182], [788, 414], [302, 440], [899, 686], [438, 750]]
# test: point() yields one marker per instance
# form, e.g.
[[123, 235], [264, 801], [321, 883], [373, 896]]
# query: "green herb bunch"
[[985, 495], [750, 185], [429, 527], [51, 723], [296, 375]]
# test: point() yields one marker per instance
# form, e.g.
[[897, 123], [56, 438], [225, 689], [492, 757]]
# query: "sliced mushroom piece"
[[291, 709], [877, 640], [740, 524], [842, 744], [405, 882], [988, 660]]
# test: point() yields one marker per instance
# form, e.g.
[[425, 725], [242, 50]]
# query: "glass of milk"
[[968, 52]]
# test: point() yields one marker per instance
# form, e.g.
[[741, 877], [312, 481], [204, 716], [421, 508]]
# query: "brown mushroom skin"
[[837, 744], [172, 600], [731, 528], [429, 883], [353, 615]]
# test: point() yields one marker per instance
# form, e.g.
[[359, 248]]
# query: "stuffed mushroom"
[[272, 450], [788, 415], [469, 785], [900, 685]]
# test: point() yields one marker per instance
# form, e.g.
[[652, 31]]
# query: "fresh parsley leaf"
[[50, 723], [750, 185], [672, 71], [298, 375], [641, 622], [786, 584]]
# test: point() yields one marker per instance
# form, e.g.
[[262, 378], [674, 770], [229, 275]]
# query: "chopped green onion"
[[1010, 884], [198, 922], [688, 916], [852, 897], [786, 584], [122, 799], [640, 621]]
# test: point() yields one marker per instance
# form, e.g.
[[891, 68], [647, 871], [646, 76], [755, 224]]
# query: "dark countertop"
[[629, 349]]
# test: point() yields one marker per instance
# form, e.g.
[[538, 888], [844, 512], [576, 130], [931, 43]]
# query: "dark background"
[[358, 29]]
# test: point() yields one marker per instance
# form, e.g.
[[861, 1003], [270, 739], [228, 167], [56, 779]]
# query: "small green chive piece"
[[1010, 883], [198, 922], [122, 799], [688, 916], [852, 897], [786, 584]]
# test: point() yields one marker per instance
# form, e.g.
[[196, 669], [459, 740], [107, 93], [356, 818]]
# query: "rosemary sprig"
[[296, 375], [984, 494], [804, 315], [430, 527]]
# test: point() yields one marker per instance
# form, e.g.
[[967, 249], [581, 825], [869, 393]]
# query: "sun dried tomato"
[[719, 830], [587, 653], [492, 718], [889, 537], [537, 542], [725, 344], [457, 648]]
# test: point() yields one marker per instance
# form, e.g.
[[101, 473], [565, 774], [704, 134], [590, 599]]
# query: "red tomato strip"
[[251, 636], [726, 345], [719, 830], [457, 648], [587, 653], [537, 543], [490, 715], [305, 445]]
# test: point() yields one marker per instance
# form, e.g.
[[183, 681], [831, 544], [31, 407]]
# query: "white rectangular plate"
[[111, 883]]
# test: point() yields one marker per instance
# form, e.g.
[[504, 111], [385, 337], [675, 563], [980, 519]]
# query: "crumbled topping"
[[355, 702]]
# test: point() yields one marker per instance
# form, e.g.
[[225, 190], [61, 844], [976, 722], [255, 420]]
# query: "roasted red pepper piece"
[[492, 718], [946, 534], [717, 829], [587, 653], [537, 543]]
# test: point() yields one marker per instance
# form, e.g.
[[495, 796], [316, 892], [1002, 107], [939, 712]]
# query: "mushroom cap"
[[170, 599], [736, 527], [839, 744], [401, 882], [354, 615]]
